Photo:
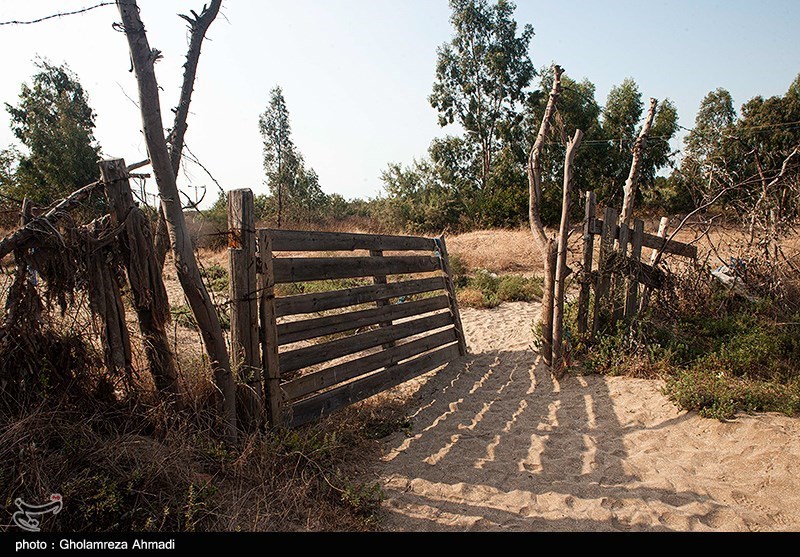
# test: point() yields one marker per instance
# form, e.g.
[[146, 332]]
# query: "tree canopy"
[[55, 124]]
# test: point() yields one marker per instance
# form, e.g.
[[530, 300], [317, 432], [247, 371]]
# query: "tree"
[[280, 162], [295, 186], [620, 123], [54, 121], [482, 74], [143, 59], [577, 109]]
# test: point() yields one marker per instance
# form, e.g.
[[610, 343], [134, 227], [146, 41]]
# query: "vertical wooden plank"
[[619, 281], [451, 293], [588, 254], [662, 233], [381, 279], [603, 270], [269, 332], [245, 357], [632, 292]]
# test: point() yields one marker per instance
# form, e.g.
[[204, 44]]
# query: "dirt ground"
[[498, 445]]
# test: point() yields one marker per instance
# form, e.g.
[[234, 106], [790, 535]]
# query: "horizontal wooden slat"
[[294, 240], [327, 402], [311, 355], [291, 269], [340, 373], [655, 242], [296, 331], [325, 301]]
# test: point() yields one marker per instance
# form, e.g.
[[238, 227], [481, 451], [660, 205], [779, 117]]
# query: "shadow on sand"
[[498, 444]]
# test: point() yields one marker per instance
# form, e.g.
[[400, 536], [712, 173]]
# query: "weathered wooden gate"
[[334, 343], [620, 269]]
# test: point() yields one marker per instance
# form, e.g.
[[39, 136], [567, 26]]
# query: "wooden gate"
[[620, 269], [332, 339]]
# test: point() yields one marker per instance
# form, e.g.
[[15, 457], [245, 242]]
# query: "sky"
[[356, 74]]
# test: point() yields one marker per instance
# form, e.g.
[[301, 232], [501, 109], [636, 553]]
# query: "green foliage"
[[482, 73], [488, 290], [54, 122], [732, 152], [718, 354], [216, 278], [295, 189]]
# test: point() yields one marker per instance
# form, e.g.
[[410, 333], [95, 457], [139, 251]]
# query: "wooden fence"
[[323, 350], [620, 269]]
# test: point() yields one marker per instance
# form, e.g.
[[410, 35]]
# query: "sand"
[[498, 445]]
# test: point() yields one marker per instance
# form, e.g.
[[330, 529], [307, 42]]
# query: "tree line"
[[488, 88]]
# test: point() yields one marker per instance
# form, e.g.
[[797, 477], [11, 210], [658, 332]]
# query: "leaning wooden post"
[[245, 356], [144, 274], [603, 267], [381, 279], [451, 293], [561, 264], [632, 293], [588, 254], [269, 332]]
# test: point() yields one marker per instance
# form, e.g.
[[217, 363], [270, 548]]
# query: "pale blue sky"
[[356, 73]]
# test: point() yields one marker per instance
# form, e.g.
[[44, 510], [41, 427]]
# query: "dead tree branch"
[[198, 26], [632, 183]]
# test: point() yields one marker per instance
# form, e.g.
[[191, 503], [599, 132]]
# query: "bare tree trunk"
[[280, 204], [546, 245], [561, 265], [198, 26], [186, 265], [632, 183]]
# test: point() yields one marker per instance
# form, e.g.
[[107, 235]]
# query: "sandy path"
[[498, 445]]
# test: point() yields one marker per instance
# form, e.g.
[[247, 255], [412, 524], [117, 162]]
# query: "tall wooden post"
[[603, 267], [144, 273], [451, 293], [245, 356], [588, 255], [561, 264], [269, 332], [619, 287], [632, 293]]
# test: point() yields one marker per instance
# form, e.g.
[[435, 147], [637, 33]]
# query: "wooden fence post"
[[588, 254], [451, 293], [245, 356], [144, 274], [618, 288], [603, 267], [269, 332], [632, 292]]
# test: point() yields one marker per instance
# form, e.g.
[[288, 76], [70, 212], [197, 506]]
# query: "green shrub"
[[488, 290], [216, 277]]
